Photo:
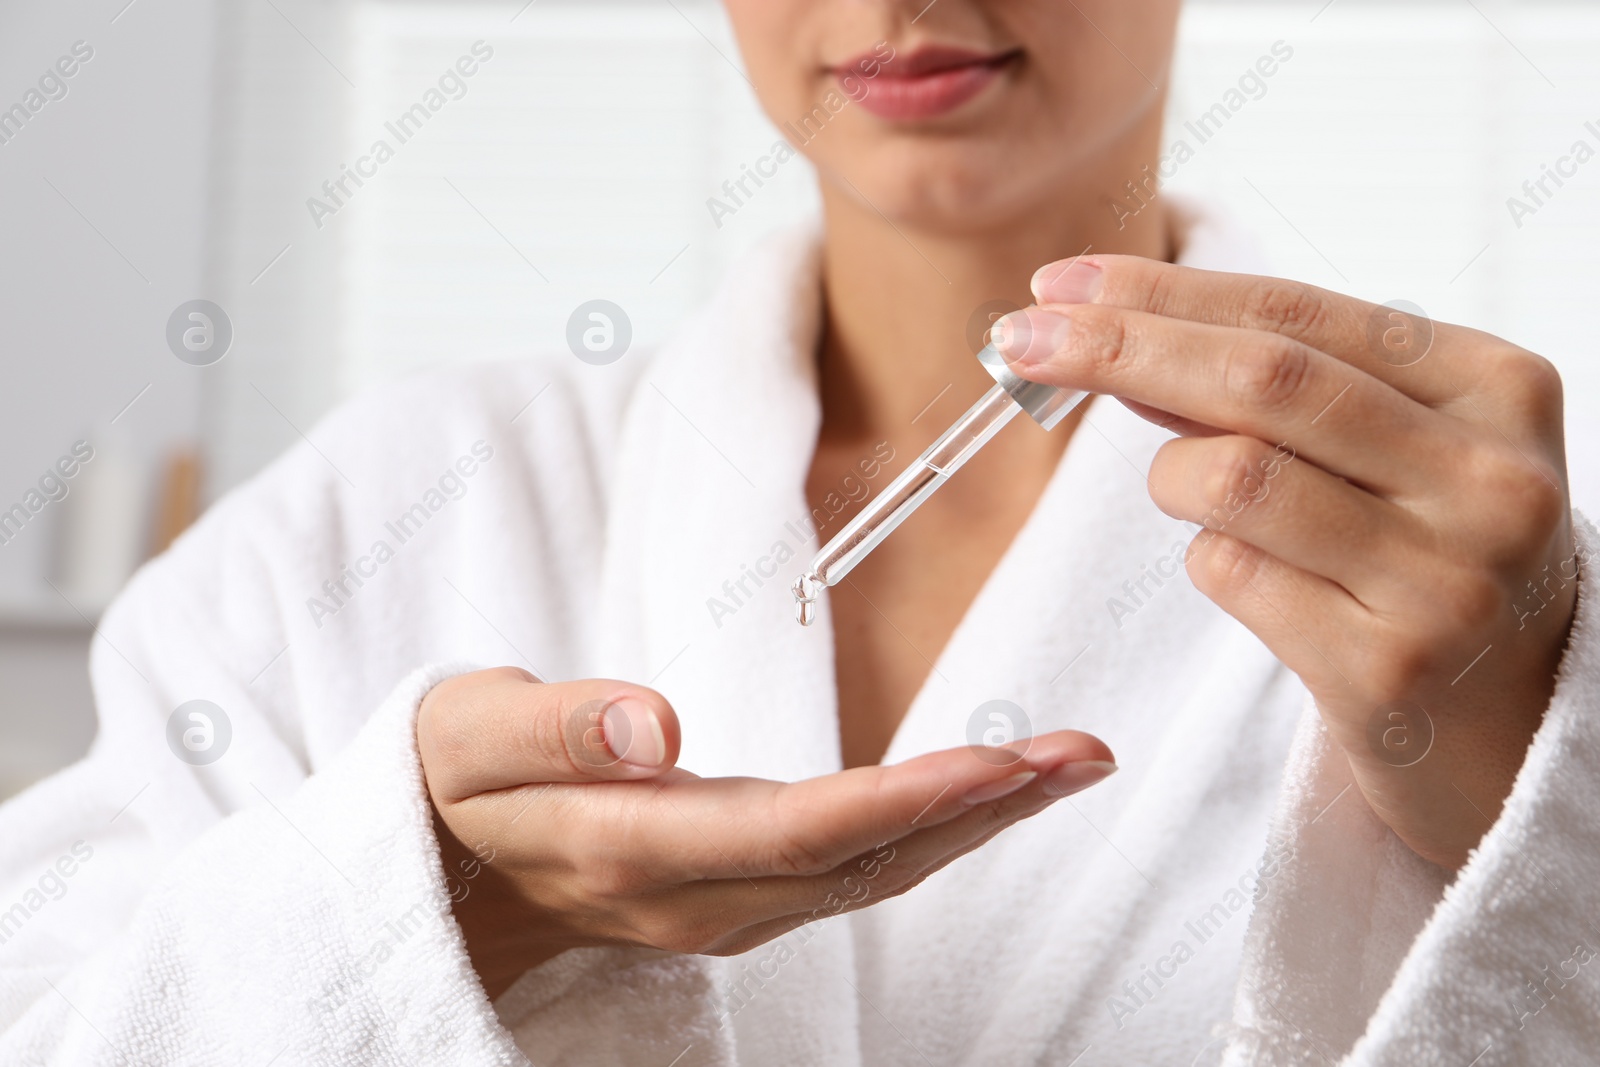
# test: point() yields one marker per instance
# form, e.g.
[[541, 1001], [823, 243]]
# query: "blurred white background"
[[577, 165]]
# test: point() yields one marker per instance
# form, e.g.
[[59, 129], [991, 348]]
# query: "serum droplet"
[[806, 589]]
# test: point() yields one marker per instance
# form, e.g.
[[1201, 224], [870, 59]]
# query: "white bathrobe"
[[284, 903]]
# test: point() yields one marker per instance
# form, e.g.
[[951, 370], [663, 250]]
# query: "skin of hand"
[[1384, 502], [564, 822]]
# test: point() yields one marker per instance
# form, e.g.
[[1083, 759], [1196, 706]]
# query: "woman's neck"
[[903, 304]]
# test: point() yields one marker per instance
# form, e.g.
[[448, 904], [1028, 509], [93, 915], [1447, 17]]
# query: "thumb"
[[503, 728]]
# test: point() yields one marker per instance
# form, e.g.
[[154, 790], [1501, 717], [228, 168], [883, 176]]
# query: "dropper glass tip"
[[806, 589]]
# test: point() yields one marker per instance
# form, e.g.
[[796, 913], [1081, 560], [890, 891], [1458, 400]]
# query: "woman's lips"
[[925, 84]]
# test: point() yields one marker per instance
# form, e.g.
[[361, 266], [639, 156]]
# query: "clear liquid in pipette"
[[1047, 405], [908, 491]]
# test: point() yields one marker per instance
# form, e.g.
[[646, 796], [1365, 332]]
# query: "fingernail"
[[1074, 777], [1029, 336], [1002, 787], [1069, 281], [633, 733]]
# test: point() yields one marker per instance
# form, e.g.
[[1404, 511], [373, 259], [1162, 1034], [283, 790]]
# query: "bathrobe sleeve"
[[1361, 953], [159, 909]]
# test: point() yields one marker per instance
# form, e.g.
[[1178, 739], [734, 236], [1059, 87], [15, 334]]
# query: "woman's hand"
[[1384, 500], [563, 823]]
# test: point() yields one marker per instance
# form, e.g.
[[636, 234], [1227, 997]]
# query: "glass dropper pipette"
[[1046, 404]]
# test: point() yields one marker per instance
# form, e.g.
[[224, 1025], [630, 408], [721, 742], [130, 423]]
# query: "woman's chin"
[[940, 189]]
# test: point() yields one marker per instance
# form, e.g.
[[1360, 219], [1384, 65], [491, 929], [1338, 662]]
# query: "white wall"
[[105, 194]]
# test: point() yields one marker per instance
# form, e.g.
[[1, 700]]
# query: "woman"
[[482, 865]]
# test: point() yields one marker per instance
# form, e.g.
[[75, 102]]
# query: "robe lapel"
[[709, 525]]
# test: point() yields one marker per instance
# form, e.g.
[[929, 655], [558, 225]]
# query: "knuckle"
[[1223, 564], [903, 884], [696, 939], [1528, 507], [673, 931], [909, 870], [737, 945], [1539, 510], [1530, 382], [1144, 285], [1289, 308], [1473, 602], [790, 852], [791, 855], [1267, 375], [742, 941], [895, 879], [547, 737], [605, 877], [1400, 665], [1234, 475], [1158, 287], [989, 818], [1488, 465], [1099, 336]]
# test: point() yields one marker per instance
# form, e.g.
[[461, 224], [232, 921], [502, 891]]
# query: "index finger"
[[721, 827], [1386, 342]]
